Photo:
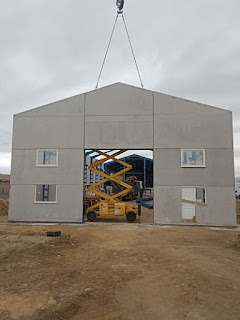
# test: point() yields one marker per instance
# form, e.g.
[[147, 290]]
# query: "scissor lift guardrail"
[[111, 199]]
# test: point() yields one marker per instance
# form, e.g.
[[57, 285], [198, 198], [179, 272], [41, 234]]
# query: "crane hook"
[[120, 5]]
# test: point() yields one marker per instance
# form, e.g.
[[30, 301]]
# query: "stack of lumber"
[[4, 204]]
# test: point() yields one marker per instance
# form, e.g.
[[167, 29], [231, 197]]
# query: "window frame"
[[197, 187], [193, 166], [47, 165], [45, 202]]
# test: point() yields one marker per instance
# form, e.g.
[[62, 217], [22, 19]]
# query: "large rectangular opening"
[[117, 185]]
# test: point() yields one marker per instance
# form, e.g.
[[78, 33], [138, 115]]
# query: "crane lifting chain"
[[120, 4]]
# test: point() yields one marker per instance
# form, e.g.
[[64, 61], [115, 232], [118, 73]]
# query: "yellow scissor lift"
[[110, 205]]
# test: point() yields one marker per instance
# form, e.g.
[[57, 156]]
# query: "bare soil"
[[119, 272]]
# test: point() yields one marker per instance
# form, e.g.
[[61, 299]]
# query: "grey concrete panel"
[[69, 171], [168, 105], [48, 132], [69, 206], [122, 132], [73, 106], [119, 99], [218, 172], [191, 130], [220, 209], [167, 204]]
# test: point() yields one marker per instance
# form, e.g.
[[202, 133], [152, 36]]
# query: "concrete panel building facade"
[[192, 147]]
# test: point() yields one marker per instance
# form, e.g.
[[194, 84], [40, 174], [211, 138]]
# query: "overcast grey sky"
[[50, 50]]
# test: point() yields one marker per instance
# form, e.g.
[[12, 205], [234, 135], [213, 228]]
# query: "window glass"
[[194, 194], [47, 157], [191, 158], [46, 193], [201, 195]]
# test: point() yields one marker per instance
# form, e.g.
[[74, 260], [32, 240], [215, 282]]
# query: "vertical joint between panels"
[[153, 158], [84, 142], [84, 125], [153, 120]]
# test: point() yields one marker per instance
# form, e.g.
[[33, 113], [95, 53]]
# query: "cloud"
[[54, 49]]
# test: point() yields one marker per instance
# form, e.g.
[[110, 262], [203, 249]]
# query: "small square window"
[[46, 193], [193, 158], [47, 158]]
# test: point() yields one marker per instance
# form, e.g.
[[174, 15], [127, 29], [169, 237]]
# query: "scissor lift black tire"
[[92, 215], [131, 216]]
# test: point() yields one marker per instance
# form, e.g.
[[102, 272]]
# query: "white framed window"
[[194, 195], [201, 196], [45, 193], [47, 158], [193, 158]]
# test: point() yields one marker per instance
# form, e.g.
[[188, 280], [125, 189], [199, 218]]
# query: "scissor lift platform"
[[110, 205]]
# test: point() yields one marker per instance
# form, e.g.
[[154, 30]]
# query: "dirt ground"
[[119, 272]]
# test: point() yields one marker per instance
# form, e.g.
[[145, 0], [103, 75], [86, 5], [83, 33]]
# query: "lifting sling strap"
[[120, 12]]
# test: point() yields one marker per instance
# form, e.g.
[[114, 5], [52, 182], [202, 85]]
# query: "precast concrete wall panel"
[[69, 170], [167, 204], [64, 108], [191, 130], [67, 209], [218, 171], [119, 100], [48, 132], [220, 209], [168, 105], [123, 132], [59, 126]]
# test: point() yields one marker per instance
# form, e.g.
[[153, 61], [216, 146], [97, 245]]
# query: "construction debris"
[[54, 234]]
